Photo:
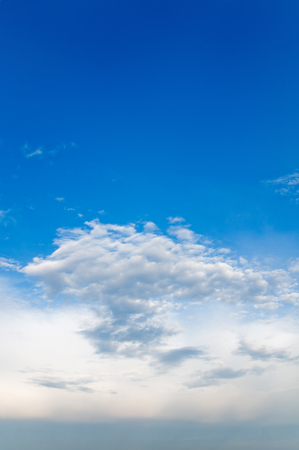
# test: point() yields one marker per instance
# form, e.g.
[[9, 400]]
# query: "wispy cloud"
[[30, 152], [35, 153], [5, 217], [288, 184], [175, 219], [216, 376], [80, 385], [3, 214], [9, 264], [264, 353], [176, 356], [60, 199]]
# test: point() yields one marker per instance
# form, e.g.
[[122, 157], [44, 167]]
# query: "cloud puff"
[[175, 219], [134, 278]]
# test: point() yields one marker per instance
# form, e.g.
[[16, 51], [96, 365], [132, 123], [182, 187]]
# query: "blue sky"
[[119, 115]]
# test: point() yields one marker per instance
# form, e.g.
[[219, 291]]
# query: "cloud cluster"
[[135, 278], [288, 185]]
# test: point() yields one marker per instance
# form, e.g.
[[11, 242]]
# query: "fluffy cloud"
[[135, 279]]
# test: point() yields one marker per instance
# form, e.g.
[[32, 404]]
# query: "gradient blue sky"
[[139, 111]]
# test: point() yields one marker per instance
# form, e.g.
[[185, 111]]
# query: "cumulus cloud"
[[135, 278]]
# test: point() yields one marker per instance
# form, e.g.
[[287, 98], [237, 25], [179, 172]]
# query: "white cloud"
[[60, 199], [175, 219], [9, 264], [136, 279], [5, 217], [181, 311], [29, 153], [35, 153], [49, 368], [289, 184]]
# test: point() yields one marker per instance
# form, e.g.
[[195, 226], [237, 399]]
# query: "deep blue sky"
[[175, 108]]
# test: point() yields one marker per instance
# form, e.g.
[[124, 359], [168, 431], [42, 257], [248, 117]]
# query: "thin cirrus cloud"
[[136, 279]]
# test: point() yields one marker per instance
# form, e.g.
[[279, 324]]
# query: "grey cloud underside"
[[177, 356], [214, 377], [264, 353], [222, 375], [132, 339], [135, 278], [59, 383]]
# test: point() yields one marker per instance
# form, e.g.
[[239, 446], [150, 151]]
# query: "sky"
[[149, 207]]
